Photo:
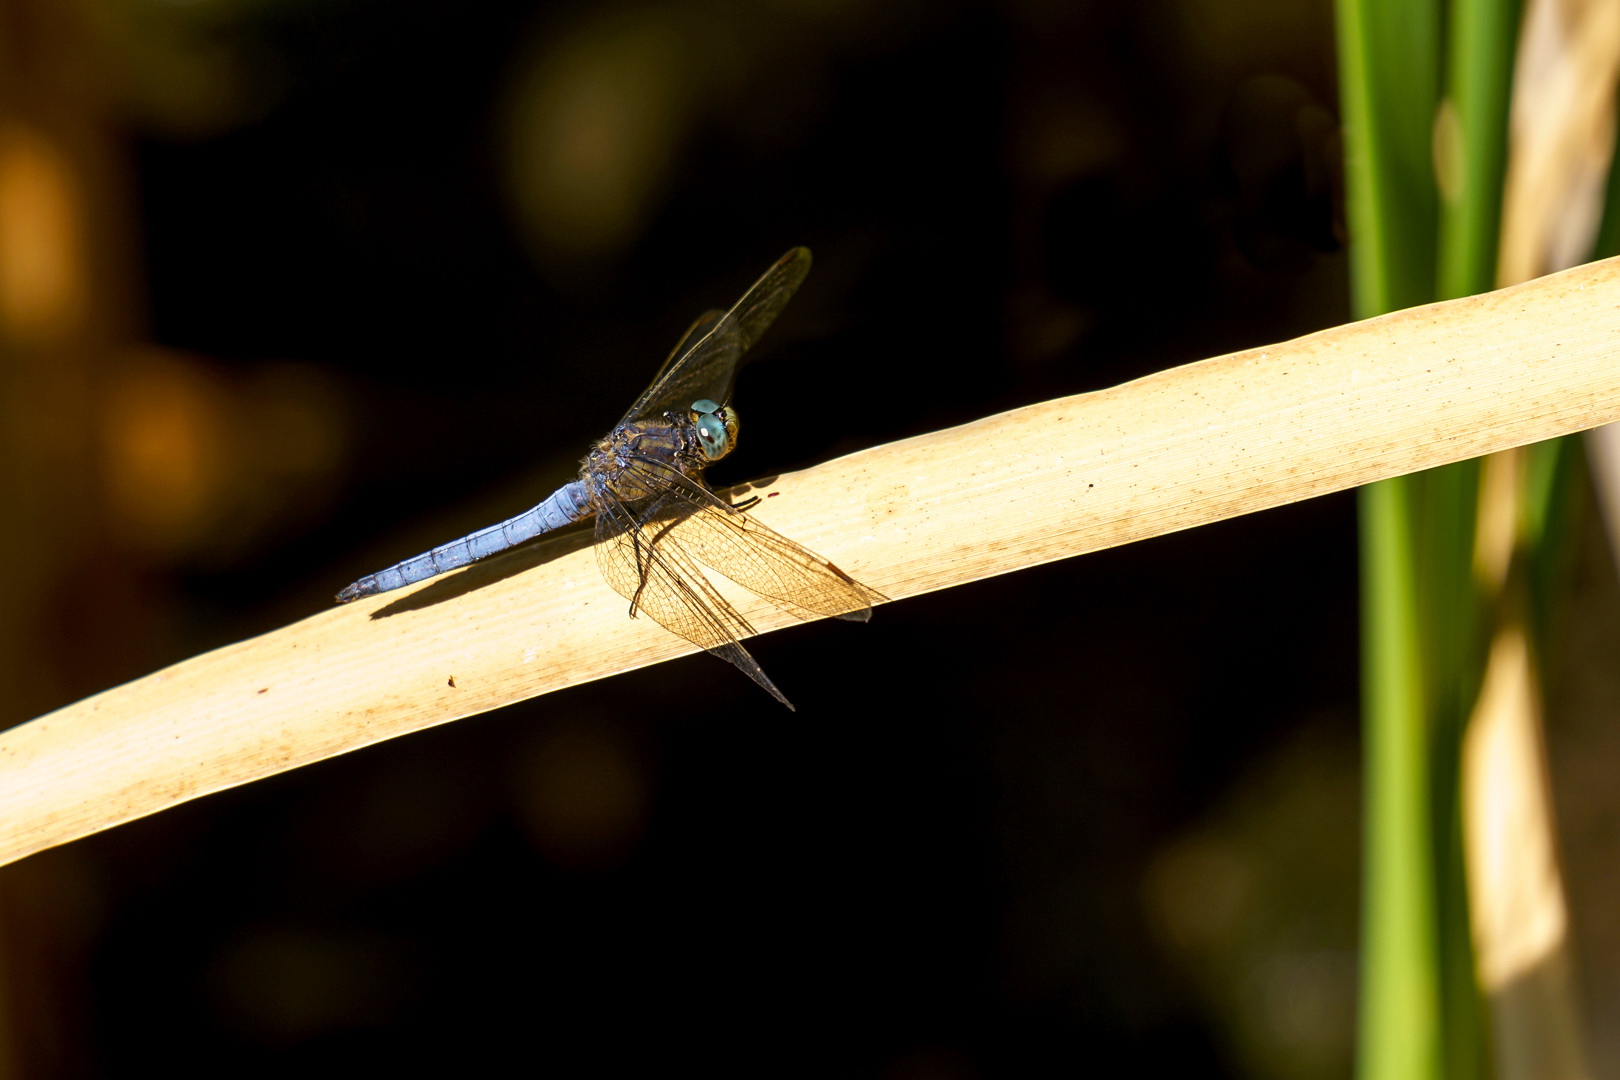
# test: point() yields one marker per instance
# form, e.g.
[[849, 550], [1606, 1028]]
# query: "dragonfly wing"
[[766, 298], [709, 530], [704, 365], [701, 327], [659, 577]]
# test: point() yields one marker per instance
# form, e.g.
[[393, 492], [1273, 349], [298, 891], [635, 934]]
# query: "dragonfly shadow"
[[475, 576], [745, 495]]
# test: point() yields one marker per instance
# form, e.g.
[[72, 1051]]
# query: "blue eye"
[[704, 405], [712, 434]]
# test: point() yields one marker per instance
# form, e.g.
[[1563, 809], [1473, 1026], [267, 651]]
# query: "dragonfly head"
[[716, 427]]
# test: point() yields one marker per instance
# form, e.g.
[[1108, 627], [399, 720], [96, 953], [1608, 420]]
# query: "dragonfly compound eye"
[[713, 436]]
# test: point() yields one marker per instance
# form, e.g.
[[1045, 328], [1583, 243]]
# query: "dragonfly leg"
[[643, 560], [644, 548]]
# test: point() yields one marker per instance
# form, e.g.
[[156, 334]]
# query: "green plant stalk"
[[1398, 1033], [1389, 62], [1480, 47], [1482, 40], [1388, 85], [1450, 615]]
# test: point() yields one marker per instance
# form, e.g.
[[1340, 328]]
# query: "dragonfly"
[[657, 521]]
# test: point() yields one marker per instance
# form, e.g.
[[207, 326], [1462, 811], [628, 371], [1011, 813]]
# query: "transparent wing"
[[704, 364], [706, 529], [701, 327], [661, 579]]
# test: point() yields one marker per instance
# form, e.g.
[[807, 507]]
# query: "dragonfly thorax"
[[628, 463]]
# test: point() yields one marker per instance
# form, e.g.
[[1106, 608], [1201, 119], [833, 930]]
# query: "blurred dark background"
[[350, 278]]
